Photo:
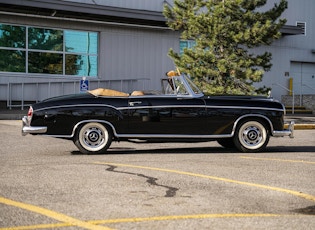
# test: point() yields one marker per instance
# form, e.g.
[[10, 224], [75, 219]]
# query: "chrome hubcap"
[[93, 137], [252, 136]]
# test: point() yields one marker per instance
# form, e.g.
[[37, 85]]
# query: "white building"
[[48, 46]]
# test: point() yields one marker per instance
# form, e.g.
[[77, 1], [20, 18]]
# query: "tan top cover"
[[108, 92]]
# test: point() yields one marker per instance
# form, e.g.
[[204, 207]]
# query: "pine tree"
[[225, 31]]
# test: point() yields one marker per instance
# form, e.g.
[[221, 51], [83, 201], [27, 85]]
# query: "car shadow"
[[275, 149], [201, 150], [192, 150]]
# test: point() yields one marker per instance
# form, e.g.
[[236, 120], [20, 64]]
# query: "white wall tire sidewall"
[[93, 129], [246, 135]]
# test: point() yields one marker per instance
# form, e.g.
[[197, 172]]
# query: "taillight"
[[30, 113]]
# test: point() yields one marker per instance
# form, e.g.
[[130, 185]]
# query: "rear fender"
[[75, 128]]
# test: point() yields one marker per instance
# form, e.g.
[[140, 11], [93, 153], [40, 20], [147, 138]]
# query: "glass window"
[[183, 44], [12, 48], [12, 61], [49, 51], [81, 42], [40, 62], [180, 87], [81, 53], [12, 36], [45, 39], [81, 65]]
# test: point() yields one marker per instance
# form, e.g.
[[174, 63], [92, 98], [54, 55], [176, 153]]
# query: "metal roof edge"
[[72, 9]]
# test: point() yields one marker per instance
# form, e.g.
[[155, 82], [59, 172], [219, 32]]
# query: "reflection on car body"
[[181, 112]]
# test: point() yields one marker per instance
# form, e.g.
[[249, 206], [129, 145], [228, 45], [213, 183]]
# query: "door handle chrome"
[[133, 103]]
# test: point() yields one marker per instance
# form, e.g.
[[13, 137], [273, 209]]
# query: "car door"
[[167, 116]]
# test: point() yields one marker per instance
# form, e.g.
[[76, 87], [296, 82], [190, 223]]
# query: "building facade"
[[293, 56], [47, 48]]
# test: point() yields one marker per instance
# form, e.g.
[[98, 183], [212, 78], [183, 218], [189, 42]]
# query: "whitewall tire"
[[251, 136], [93, 138]]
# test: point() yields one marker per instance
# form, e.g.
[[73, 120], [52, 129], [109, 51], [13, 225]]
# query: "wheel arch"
[[256, 117], [110, 125]]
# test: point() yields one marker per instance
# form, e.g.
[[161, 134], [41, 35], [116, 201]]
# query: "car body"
[[181, 112]]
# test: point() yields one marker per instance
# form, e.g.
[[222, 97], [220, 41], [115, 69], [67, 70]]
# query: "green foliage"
[[224, 32]]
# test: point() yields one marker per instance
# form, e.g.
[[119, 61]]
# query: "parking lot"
[[46, 183]]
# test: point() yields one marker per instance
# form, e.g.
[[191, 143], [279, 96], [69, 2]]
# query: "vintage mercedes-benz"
[[180, 112]]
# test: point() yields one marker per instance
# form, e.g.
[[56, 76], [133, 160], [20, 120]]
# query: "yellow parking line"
[[52, 214], [276, 159], [153, 218], [69, 221], [148, 219], [291, 192], [180, 217]]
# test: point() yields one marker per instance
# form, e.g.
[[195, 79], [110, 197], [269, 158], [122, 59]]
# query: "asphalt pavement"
[[46, 183]]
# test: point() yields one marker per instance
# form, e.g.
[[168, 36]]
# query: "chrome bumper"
[[27, 128], [287, 132]]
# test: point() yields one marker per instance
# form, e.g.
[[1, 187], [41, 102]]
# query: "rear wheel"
[[251, 136], [93, 138]]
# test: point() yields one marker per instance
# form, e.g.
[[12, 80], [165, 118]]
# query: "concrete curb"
[[11, 116], [301, 126]]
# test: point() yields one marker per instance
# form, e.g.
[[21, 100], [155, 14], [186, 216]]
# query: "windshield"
[[180, 85], [194, 88]]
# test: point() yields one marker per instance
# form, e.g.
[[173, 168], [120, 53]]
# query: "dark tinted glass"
[[45, 39], [40, 62], [12, 36], [12, 61]]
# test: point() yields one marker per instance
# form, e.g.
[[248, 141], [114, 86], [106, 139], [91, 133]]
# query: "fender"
[[69, 117], [253, 116]]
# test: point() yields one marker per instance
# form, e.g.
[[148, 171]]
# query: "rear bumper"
[[27, 128], [286, 132]]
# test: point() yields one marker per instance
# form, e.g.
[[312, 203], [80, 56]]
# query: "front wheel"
[[251, 136], [93, 138]]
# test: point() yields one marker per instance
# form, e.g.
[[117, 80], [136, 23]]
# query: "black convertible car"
[[181, 112]]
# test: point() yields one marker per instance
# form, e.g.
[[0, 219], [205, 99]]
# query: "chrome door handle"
[[133, 103]]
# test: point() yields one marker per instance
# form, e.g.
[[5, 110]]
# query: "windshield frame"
[[181, 86]]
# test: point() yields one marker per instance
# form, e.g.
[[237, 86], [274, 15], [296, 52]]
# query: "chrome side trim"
[[161, 106], [200, 106], [243, 107], [26, 128], [75, 105], [173, 136]]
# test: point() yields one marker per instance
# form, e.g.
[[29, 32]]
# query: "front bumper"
[[286, 132], [27, 128]]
